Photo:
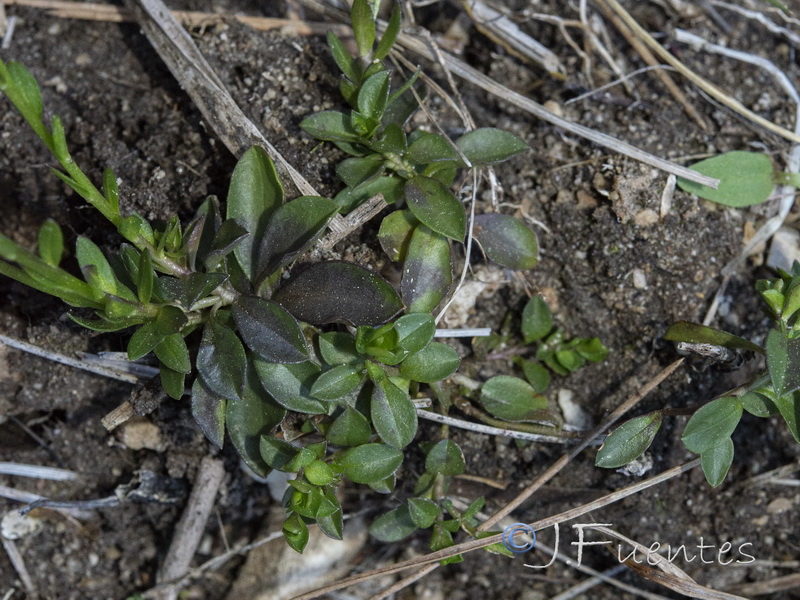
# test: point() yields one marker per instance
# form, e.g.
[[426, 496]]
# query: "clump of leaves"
[[414, 170], [539, 350], [776, 390], [746, 178], [330, 343]]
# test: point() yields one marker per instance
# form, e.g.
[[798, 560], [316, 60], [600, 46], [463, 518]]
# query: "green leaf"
[[393, 414], [536, 374], [173, 352], [431, 148], [269, 330], [445, 458], [51, 243], [390, 187], [395, 233], [488, 145], [333, 291], [370, 462], [758, 404], [295, 532], [208, 410], [169, 320], [373, 95], [221, 360], [537, 320], [277, 453], [511, 398], [423, 512], [694, 333], [344, 61], [292, 229], [711, 424], [97, 272], [392, 140], [249, 418], [427, 270], [106, 325], [355, 171], [716, 461], [172, 382], [290, 385], [433, 363], [592, 349], [789, 407], [363, 23], [783, 362], [436, 207], [339, 348], [145, 278], [331, 126], [230, 237], [337, 382], [571, 361], [415, 331], [27, 94], [389, 35], [746, 178], [110, 189], [393, 526], [629, 441], [331, 525], [507, 241], [351, 428], [319, 473]]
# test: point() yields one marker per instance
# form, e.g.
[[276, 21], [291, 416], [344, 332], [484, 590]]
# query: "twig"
[[66, 360], [37, 472], [30, 497], [190, 528], [702, 83], [489, 430], [612, 418], [19, 566], [471, 545], [648, 58]]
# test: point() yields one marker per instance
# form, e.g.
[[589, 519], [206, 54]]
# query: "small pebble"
[[639, 279]]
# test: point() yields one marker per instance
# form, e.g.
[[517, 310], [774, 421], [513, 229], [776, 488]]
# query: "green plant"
[[330, 343], [775, 390], [746, 178]]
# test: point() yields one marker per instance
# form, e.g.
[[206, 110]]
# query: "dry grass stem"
[[37, 472]]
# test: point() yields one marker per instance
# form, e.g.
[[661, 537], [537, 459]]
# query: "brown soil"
[[122, 108]]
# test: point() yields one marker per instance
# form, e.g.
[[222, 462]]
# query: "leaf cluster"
[[776, 390]]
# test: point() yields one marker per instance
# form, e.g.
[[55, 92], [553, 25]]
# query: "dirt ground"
[[610, 268]]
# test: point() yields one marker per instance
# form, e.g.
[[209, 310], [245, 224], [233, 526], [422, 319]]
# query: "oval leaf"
[[351, 428], [393, 414], [395, 233], [436, 207], [511, 398], [445, 458], [628, 441], [716, 461], [507, 241], [336, 383], [711, 424], [221, 360], [431, 147], [269, 330], [537, 320], [331, 126], [745, 178], [393, 526], [338, 291], [339, 348], [249, 418], [292, 229], [173, 352], [254, 194], [51, 242], [423, 512], [415, 331], [433, 363], [290, 385], [427, 270], [488, 145], [208, 410], [370, 462], [694, 333]]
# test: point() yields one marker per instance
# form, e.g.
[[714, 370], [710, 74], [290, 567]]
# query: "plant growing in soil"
[[331, 353], [775, 390]]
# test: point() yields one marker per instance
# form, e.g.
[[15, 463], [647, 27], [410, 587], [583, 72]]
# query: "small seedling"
[[776, 390]]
